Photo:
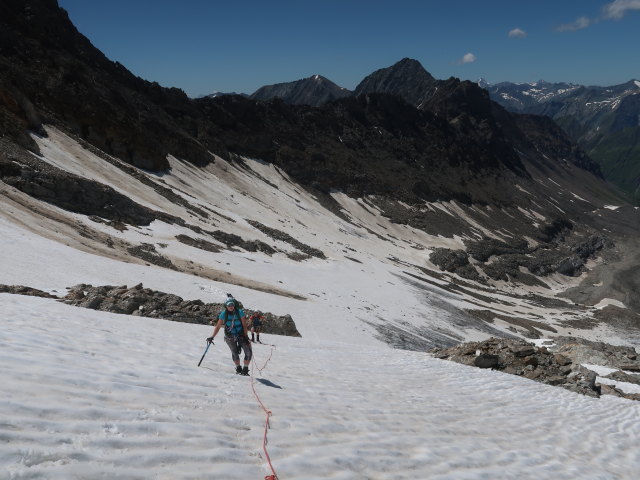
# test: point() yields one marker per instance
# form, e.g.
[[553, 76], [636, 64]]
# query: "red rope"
[[265, 363], [268, 414]]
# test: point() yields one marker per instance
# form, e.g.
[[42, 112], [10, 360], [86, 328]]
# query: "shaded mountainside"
[[53, 74], [368, 144]]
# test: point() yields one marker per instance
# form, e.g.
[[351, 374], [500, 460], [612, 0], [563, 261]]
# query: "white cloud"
[[517, 33], [618, 9], [579, 24], [615, 10], [467, 58]]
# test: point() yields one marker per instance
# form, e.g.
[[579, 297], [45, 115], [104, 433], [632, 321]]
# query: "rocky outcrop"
[[598, 353], [505, 261], [148, 253], [454, 261], [560, 363], [145, 302], [517, 357], [22, 290], [198, 243], [285, 237], [68, 191]]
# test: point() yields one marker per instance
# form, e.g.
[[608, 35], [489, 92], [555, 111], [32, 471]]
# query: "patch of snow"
[[609, 301], [578, 197]]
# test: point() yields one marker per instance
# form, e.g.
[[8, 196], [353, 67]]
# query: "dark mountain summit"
[[316, 90], [406, 79]]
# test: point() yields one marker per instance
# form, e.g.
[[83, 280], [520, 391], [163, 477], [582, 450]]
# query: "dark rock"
[[561, 359], [148, 253], [570, 266], [285, 237], [624, 377], [518, 357], [596, 353], [630, 367], [448, 259], [145, 302], [523, 350], [485, 360], [22, 290], [454, 261]]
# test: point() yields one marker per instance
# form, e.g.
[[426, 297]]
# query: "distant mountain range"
[[406, 79], [604, 121]]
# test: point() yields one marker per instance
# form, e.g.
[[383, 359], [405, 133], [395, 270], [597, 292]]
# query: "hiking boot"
[[245, 371], [238, 369]]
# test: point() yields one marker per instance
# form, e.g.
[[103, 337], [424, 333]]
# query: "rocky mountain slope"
[[452, 218], [602, 120], [315, 90]]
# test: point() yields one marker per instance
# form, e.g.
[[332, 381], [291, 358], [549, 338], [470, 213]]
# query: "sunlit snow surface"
[[93, 395], [97, 395]]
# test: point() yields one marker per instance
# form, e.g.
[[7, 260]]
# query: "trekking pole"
[[205, 352]]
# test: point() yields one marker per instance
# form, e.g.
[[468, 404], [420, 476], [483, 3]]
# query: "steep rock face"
[[315, 91], [373, 143], [406, 79], [53, 74]]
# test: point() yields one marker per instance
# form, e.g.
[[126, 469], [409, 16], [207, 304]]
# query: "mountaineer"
[[255, 323], [236, 336]]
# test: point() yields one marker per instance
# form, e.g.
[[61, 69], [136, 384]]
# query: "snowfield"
[[95, 395]]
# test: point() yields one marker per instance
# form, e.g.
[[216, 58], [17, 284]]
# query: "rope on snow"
[[268, 414]]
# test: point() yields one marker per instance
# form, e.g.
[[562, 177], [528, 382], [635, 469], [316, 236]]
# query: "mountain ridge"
[[602, 120], [457, 199], [315, 90]]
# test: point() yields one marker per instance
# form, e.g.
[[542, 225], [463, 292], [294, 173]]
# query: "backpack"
[[256, 320]]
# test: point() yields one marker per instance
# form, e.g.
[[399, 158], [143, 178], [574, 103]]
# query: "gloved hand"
[[210, 340]]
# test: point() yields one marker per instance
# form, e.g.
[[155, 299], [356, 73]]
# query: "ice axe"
[[209, 343]]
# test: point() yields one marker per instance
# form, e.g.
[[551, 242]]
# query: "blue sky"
[[202, 46]]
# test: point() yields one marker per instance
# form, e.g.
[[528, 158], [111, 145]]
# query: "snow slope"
[[97, 395], [379, 269], [90, 395]]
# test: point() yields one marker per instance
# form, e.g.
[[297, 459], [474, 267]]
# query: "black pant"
[[236, 345]]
